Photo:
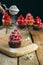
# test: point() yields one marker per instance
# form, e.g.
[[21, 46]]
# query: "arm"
[[2, 10]]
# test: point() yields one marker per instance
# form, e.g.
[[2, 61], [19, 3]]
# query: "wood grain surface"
[[38, 38]]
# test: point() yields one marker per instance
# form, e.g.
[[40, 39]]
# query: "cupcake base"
[[21, 26], [37, 28], [15, 44], [30, 27]]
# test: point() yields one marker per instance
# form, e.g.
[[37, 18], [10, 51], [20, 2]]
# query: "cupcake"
[[29, 19], [38, 25], [15, 39], [6, 19], [21, 22]]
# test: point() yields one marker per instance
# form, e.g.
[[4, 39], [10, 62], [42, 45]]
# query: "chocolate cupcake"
[[38, 25], [6, 19], [29, 20], [15, 39], [21, 22]]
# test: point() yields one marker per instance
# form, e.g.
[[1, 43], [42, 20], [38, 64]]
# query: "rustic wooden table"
[[37, 37], [27, 46]]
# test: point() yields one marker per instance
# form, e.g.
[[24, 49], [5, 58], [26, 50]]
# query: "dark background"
[[33, 6]]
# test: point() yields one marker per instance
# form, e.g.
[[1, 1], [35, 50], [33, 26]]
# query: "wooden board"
[[24, 49], [38, 38]]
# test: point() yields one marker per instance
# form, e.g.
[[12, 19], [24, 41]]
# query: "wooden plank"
[[6, 60], [38, 38]]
